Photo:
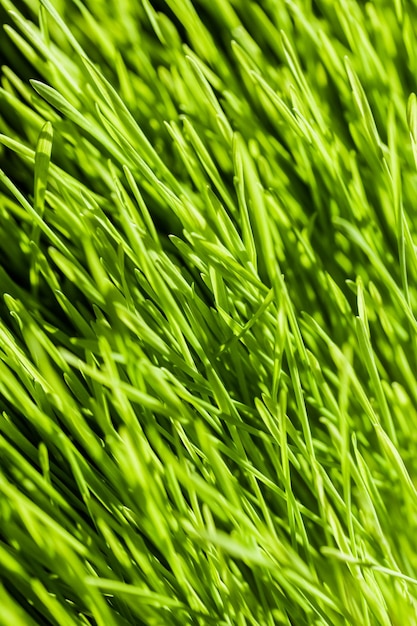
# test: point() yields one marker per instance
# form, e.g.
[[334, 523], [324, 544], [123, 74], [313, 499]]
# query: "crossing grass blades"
[[208, 334]]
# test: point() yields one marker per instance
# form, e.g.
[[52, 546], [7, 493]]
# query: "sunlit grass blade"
[[208, 332]]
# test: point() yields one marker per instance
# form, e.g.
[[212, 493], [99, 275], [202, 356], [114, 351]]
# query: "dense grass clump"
[[208, 339]]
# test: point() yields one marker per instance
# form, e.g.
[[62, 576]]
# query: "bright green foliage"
[[208, 341]]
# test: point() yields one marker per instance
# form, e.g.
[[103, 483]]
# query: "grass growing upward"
[[208, 340]]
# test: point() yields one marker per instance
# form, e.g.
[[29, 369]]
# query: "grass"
[[208, 341]]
